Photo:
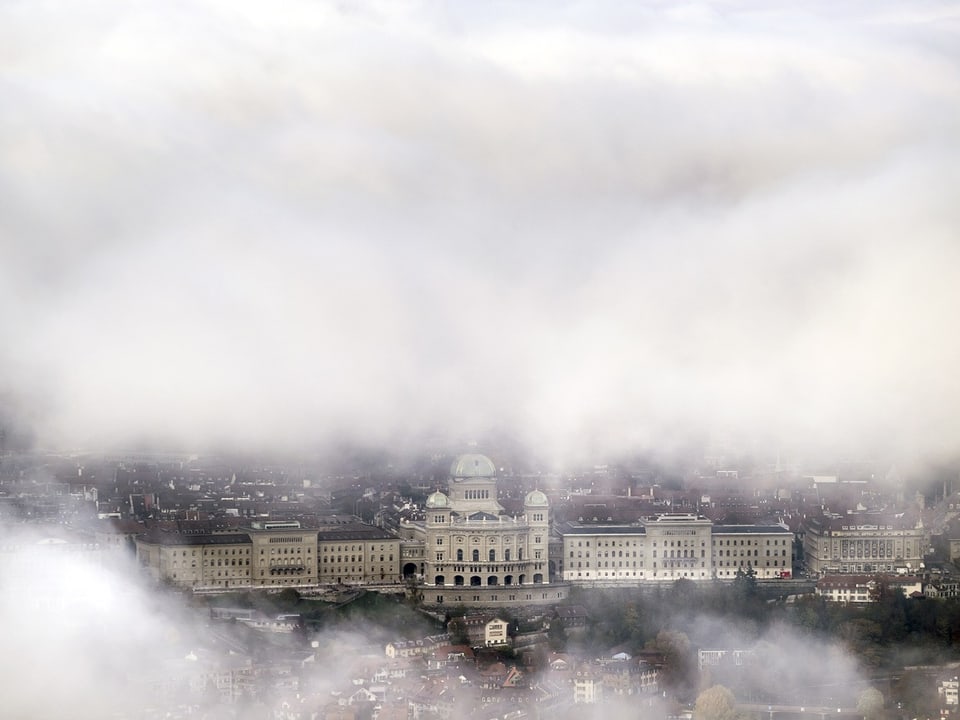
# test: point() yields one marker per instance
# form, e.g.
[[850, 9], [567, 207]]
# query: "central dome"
[[473, 466]]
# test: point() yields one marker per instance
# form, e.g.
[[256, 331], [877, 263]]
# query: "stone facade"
[[469, 551]]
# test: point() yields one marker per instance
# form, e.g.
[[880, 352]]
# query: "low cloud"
[[589, 226]]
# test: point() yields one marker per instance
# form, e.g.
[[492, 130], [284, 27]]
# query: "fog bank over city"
[[588, 226], [114, 644]]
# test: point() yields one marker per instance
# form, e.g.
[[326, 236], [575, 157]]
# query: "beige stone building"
[[196, 561], [765, 549], [267, 554], [670, 547], [658, 549], [469, 551], [358, 554], [283, 554], [862, 543]]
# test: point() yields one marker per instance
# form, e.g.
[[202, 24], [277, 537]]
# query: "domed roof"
[[536, 498], [473, 465], [438, 500]]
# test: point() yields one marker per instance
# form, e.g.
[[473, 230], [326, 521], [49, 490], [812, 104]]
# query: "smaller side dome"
[[536, 498], [438, 500]]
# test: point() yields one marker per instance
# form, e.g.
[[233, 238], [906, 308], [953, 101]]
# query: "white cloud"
[[592, 220]]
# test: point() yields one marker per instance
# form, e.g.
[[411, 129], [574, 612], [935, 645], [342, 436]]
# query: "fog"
[[589, 226], [89, 636]]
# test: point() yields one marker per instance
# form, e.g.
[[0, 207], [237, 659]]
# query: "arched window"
[[458, 580], [475, 581], [493, 555], [476, 555], [506, 555], [460, 555], [438, 580], [492, 580], [537, 579]]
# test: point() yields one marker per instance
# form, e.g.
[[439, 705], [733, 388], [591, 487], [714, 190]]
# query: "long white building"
[[669, 547]]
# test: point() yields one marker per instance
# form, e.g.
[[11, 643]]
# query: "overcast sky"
[[612, 224]]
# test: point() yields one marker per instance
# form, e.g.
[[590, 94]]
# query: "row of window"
[[492, 539], [476, 598], [477, 581], [349, 548]]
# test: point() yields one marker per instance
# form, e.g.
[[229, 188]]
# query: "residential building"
[[853, 588], [949, 691]]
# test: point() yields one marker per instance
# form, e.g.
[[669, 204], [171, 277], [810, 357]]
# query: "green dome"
[[438, 500], [473, 466], [536, 499]]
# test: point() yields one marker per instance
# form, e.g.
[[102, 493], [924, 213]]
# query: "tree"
[[457, 629], [287, 597], [557, 636], [715, 703], [675, 647], [870, 704]]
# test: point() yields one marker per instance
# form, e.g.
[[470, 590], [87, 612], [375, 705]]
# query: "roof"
[[750, 529], [571, 611], [354, 531], [536, 498], [438, 500], [854, 581], [578, 529], [173, 538], [473, 465]]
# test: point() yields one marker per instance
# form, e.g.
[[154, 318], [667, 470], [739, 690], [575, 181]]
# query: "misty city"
[[429, 360]]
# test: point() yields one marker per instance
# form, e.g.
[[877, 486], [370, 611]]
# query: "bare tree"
[[716, 703]]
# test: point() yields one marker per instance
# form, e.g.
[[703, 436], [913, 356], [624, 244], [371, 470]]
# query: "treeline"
[[890, 632]]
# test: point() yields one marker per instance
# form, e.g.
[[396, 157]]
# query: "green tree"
[[675, 647], [716, 703], [557, 636]]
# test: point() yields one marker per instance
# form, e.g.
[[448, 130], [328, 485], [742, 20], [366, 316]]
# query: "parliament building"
[[469, 551]]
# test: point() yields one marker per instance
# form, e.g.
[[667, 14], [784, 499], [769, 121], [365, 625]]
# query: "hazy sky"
[[600, 223]]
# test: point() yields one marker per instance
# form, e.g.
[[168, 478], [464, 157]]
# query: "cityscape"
[[435, 360], [457, 586]]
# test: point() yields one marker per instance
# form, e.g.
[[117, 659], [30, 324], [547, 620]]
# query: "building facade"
[[469, 551], [669, 547], [358, 554], [266, 554], [196, 561], [863, 543], [765, 549], [851, 588]]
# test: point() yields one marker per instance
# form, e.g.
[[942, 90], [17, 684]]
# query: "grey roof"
[[480, 515], [577, 529], [172, 538], [758, 529], [355, 532]]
